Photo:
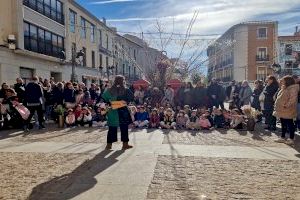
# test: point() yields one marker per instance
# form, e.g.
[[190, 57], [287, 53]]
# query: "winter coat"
[[245, 95], [154, 119], [33, 94], [169, 95], [141, 116], [57, 96], [255, 103], [182, 120], [286, 102], [119, 116], [156, 97], [200, 97], [20, 90], [269, 92], [188, 96], [69, 95]]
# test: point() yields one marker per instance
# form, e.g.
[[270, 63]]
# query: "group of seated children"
[[200, 119], [165, 118], [87, 116]]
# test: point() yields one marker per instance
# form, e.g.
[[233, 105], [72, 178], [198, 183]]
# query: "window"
[[123, 69], [84, 56], [83, 28], [261, 74], [72, 19], [288, 49], [93, 59], [50, 8], [134, 54], [262, 54], [106, 62], [100, 61], [107, 41], [117, 70], [38, 40], [33, 38], [100, 38], [41, 39], [92, 33], [262, 33]]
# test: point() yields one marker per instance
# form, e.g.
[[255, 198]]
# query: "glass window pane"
[[60, 42], [26, 29], [33, 32]]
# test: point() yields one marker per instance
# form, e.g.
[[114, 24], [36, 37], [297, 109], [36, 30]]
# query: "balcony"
[[104, 50], [262, 58]]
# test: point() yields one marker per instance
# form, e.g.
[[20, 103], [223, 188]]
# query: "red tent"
[[141, 83]]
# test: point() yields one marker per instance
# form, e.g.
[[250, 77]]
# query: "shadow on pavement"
[[76, 182]]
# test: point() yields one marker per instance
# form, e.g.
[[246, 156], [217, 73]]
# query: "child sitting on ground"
[[168, 121], [187, 110], [192, 123], [154, 119], [100, 119], [85, 118], [161, 114], [141, 118], [204, 123], [70, 118], [236, 119], [219, 119], [77, 112], [181, 120]]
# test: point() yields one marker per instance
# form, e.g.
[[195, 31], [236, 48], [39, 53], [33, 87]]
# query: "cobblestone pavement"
[[194, 178], [74, 135], [223, 138], [21, 172]]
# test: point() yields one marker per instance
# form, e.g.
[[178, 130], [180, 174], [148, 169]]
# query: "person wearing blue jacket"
[[141, 118]]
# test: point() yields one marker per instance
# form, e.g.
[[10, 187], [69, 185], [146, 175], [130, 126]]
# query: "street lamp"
[[75, 56]]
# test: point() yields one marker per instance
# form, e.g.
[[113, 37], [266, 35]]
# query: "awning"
[[141, 83]]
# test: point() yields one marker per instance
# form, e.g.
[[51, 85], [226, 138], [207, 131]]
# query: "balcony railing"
[[104, 50], [262, 58]]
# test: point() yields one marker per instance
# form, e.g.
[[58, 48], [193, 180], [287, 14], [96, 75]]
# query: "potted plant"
[[60, 111], [251, 115]]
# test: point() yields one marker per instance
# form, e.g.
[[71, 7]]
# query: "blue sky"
[[215, 17]]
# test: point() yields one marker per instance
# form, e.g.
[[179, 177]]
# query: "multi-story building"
[[289, 54], [32, 39], [86, 33], [246, 51], [41, 37], [148, 57], [127, 58]]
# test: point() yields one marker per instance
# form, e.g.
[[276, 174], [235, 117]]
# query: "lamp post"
[[75, 56]]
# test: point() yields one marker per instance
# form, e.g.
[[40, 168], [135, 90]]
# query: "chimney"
[[104, 20]]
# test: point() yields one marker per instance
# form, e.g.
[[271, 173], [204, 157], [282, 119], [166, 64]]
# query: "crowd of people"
[[191, 108]]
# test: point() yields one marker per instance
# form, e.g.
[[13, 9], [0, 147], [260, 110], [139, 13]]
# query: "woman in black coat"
[[268, 102], [69, 94], [200, 96], [256, 93]]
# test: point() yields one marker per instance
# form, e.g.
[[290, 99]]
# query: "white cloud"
[[112, 1], [215, 16]]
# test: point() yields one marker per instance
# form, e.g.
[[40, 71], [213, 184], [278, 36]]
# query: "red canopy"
[[175, 83], [141, 83]]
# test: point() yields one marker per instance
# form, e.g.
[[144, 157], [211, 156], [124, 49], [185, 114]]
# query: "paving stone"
[[220, 178], [223, 138]]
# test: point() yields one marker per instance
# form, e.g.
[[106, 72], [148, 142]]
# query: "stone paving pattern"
[[21, 172], [223, 138], [74, 135], [194, 178]]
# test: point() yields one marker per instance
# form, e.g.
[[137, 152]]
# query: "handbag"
[[23, 111]]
